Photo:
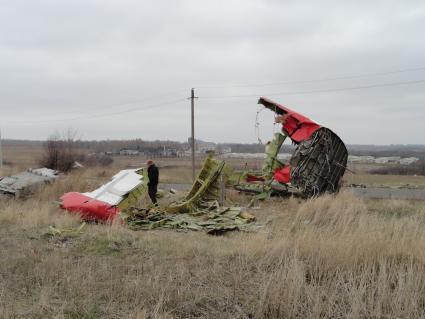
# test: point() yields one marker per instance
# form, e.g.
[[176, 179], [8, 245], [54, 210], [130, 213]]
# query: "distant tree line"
[[156, 146]]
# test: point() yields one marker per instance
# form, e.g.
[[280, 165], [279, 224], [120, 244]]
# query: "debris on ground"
[[205, 188], [27, 182], [69, 231], [198, 210], [316, 166], [104, 203], [77, 165], [213, 219]]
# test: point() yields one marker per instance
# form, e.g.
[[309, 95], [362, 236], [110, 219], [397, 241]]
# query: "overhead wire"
[[83, 117], [355, 76], [140, 108], [315, 91], [126, 104]]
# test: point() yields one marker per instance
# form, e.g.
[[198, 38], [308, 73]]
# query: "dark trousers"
[[152, 190]]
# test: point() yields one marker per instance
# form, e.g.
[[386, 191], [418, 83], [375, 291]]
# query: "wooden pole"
[[192, 117], [222, 189]]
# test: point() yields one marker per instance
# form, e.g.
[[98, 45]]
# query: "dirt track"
[[389, 193], [376, 192]]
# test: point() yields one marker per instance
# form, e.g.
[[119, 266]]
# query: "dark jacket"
[[153, 175]]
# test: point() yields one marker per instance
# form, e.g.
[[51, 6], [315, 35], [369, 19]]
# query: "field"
[[331, 257]]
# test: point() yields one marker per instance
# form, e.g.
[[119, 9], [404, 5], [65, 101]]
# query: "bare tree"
[[61, 151]]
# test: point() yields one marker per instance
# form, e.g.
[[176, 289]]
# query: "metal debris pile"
[[316, 166], [105, 202], [206, 188], [198, 210], [212, 219], [25, 183], [319, 163]]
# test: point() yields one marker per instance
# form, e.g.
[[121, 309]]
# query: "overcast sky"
[[123, 69]]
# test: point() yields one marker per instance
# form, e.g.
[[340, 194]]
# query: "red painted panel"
[[252, 178], [298, 127], [88, 208], [283, 175]]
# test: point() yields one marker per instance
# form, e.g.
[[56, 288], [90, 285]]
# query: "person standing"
[[153, 175]]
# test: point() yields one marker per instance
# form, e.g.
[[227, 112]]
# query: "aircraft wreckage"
[[316, 167], [25, 183]]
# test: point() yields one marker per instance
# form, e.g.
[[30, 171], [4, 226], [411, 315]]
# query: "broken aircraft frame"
[[316, 166]]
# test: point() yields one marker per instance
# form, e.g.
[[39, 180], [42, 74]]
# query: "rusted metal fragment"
[[318, 163], [316, 166]]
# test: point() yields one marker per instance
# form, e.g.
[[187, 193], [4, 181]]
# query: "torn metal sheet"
[[198, 210], [25, 183], [205, 188], [316, 166], [105, 203], [121, 184], [319, 163], [298, 127], [214, 220], [271, 163]]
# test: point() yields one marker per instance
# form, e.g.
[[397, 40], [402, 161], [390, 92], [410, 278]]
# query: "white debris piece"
[[77, 165], [46, 172], [26, 182], [121, 184]]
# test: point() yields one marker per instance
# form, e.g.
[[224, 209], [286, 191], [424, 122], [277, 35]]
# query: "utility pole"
[[192, 142]]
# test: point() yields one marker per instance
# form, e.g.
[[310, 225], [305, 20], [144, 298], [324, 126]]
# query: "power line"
[[152, 97], [317, 91], [355, 76], [134, 109]]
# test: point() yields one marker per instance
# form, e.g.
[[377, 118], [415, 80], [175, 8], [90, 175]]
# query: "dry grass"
[[22, 156], [332, 257], [385, 180], [363, 176]]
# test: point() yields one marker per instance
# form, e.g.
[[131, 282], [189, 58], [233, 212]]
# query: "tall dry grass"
[[331, 257]]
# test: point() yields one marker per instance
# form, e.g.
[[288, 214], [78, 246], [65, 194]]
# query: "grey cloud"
[[62, 59]]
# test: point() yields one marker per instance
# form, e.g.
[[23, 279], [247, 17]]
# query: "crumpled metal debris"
[[25, 183], [210, 218], [316, 166], [205, 188], [199, 210], [319, 163], [104, 203], [69, 231]]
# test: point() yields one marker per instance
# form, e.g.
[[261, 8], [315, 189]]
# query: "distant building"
[[129, 152], [169, 152], [382, 160], [361, 159], [408, 160], [224, 150], [387, 160], [205, 147]]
